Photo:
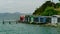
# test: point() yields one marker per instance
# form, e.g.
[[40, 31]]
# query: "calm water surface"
[[27, 29]]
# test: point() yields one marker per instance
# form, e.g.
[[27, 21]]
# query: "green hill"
[[46, 5]]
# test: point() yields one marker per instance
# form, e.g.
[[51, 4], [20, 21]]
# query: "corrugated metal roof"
[[57, 15]]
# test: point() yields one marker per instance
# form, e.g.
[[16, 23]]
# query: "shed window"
[[48, 20]]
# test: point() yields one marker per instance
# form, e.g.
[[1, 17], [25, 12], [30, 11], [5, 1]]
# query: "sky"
[[22, 6]]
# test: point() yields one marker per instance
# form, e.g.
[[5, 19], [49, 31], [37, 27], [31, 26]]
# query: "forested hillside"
[[48, 9]]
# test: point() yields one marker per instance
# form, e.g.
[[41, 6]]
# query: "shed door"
[[54, 19], [36, 19], [41, 19], [48, 20], [31, 19], [58, 20]]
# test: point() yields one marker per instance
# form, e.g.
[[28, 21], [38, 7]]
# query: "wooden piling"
[[3, 22], [9, 22], [16, 22]]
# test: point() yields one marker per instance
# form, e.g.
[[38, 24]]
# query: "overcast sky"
[[22, 6]]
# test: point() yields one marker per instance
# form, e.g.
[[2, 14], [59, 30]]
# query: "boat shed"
[[22, 18], [31, 19], [42, 19], [55, 19], [36, 19], [27, 18]]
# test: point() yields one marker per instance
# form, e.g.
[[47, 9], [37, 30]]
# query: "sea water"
[[21, 28]]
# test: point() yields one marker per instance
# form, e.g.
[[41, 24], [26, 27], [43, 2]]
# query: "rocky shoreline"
[[44, 24]]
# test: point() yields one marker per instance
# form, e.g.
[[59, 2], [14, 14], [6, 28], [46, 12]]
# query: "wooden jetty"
[[9, 21]]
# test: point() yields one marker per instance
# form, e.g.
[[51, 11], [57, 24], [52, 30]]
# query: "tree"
[[42, 8], [49, 12]]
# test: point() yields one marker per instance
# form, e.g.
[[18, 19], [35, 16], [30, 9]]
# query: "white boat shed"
[[55, 19]]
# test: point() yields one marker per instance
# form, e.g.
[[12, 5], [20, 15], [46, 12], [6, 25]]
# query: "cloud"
[[23, 6]]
